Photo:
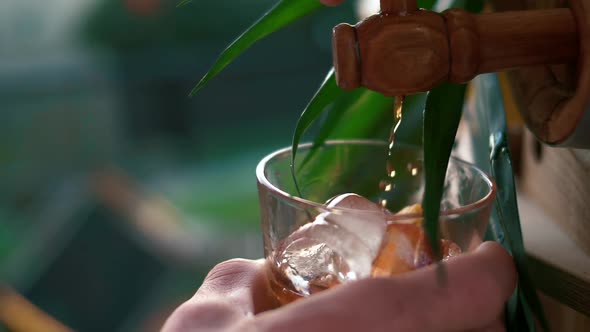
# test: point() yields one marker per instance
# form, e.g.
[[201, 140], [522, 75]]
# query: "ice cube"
[[415, 209], [401, 250], [353, 201], [337, 246], [365, 219], [405, 249], [311, 265], [449, 249]]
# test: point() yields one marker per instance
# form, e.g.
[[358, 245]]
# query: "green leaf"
[[444, 107], [410, 131], [360, 114], [508, 215], [281, 15], [364, 114], [326, 94], [428, 4], [355, 114], [505, 222], [474, 6]]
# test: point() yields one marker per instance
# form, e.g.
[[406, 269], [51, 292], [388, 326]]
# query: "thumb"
[[242, 283], [232, 291]]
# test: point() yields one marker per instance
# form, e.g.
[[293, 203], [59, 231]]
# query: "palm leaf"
[[354, 114], [326, 94], [444, 107], [364, 114], [507, 210], [525, 305], [371, 116], [282, 14], [428, 4]]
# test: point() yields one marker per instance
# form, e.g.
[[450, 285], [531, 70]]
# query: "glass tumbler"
[[312, 244]]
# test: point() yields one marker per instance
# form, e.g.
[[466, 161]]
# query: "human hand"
[[235, 296]]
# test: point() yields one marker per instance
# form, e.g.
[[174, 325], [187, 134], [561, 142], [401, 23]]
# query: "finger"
[[331, 2], [241, 282], [478, 285], [213, 315], [232, 291]]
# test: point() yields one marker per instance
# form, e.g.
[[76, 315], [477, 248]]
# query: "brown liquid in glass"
[[281, 286]]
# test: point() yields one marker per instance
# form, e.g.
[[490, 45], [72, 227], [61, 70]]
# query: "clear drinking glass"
[[311, 246]]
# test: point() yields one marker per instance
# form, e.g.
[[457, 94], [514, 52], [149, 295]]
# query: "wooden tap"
[[404, 50]]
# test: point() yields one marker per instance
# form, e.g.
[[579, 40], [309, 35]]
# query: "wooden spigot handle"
[[398, 6], [403, 51]]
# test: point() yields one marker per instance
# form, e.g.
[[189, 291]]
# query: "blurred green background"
[[118, 192]]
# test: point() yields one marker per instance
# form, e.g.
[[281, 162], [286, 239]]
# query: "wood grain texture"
[[403, 54], [403, 51], [561, 285], [563, 318], [558, 266], [524, 38], [539, 95], [559, 181], [398, 6], [464, 45], [554, 98], [345, 53], [566, 116]]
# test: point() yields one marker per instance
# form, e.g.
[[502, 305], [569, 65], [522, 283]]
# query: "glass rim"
[[260, 168]]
